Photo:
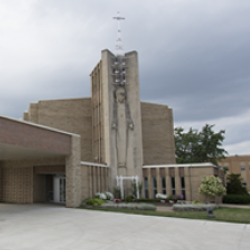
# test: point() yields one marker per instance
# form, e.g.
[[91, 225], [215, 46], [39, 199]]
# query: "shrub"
[[212, 186], [234, 185], [101, 196], [109, 196], [178, 197], [161, 196], [104, 196], [117, 193], [94, 202], [236, 199], [129, 198], [196, 202]]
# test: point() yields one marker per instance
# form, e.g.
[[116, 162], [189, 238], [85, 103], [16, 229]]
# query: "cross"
[[119, 49]]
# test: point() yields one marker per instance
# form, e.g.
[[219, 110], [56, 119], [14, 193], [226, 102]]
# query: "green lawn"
[[236, 215]]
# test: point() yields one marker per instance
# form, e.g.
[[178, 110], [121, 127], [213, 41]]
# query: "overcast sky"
[[194, 56]]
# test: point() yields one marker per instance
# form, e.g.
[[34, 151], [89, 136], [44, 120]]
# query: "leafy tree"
[[212, 186], [195, 146], [234, 184]]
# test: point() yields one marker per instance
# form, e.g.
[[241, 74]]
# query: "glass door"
[[59, 187]]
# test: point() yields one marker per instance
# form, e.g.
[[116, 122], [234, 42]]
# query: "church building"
[[66, 150]]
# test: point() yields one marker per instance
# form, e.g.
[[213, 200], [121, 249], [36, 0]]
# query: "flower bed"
[[193, 207], [134, 205]]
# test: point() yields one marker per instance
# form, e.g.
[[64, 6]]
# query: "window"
[[173, 185], [154, 185], [163, 185], [146, 187], [183, 192], [244, 183], [242, 168]]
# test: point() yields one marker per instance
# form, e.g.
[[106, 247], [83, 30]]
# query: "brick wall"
[[16, 185], [28, 136], [38, 188], [192, 178], [94, 179], [71, 115], [157, 134], [19, 184]]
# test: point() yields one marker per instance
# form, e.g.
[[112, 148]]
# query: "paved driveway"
[[35, 227]]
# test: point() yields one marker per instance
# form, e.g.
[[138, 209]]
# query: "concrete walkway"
[[40, 227], [235, 206]]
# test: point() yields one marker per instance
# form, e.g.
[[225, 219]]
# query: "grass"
[[235, 215]]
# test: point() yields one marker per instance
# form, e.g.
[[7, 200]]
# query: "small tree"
[[234, 185], [212, 186]]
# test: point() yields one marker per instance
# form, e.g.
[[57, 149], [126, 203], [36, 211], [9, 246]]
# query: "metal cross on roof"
[[119, 48]]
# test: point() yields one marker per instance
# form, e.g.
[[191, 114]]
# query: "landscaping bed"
[[194, 207], [120, 205]]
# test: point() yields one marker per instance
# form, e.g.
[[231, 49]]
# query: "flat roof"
[[38, 125], [206, 164], [94, 164]]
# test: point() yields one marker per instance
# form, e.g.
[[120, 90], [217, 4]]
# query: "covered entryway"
[[30, 156], [50, 184]]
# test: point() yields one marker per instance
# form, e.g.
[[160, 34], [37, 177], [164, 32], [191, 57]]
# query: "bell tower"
[[118, 130]]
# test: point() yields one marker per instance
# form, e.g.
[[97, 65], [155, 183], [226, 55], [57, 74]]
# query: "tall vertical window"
[[242, 168], [183, 192], [173, 185], [154, 185], [163, 185], [146, 187]]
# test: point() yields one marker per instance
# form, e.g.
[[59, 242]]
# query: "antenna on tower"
[[118, 46]]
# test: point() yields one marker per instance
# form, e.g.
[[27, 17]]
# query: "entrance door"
[[59, 189]]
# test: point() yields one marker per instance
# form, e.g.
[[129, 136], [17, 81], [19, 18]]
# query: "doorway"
[[55, 189]]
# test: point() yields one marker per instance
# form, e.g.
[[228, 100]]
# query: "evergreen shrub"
[[236, 199]]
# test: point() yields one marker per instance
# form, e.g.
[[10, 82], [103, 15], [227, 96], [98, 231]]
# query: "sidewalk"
[[235, 206]]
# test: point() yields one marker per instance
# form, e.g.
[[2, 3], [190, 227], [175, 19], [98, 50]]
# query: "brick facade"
[[70, 115], [28, 136], [157, 134]]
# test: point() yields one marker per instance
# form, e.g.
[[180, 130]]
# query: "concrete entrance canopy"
[[22, 140], [24, 145]]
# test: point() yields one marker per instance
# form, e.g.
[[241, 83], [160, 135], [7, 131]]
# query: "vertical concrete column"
[[73, 173], [150, 184], [90, 182], [158, 178], [177, 181], [98, 177], [168, 182], [94, 180], [187, 183], [101, 179]]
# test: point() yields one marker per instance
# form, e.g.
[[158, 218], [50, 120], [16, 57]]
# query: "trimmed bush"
[[236, 199], [129, 198], [94, 202], [196, 202]]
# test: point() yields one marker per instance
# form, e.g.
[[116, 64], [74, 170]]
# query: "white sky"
[[194, 56]]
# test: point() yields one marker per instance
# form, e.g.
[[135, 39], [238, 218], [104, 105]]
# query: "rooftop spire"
[[118, 46]]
